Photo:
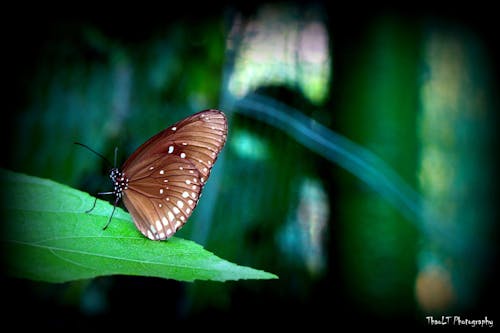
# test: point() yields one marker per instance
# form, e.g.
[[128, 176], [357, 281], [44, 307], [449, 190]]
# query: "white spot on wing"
[[164, 221], [159, 226], [161, 191], [180, 204], [174, 128], [170, 149], [170, 216], [176, 210], [185, 194], [183, 155], [150, 235], [162, 172]]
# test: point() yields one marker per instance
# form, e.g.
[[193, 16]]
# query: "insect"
[[161, 182]]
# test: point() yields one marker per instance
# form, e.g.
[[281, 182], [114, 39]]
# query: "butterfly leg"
[[95, 201], [93, 206], [112, 213]]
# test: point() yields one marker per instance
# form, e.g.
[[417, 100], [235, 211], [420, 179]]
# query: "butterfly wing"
[[161, 203], [198, 138], [167, 173]]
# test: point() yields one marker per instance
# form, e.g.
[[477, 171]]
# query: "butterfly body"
[[161, 182]]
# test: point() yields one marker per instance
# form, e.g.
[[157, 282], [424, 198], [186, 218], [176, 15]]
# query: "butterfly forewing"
[[206, 130], [165, 176]]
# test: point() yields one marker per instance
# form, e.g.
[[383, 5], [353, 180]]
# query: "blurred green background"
[[360, 165]]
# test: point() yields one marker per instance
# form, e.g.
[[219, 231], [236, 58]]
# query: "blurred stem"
[[357, 160]]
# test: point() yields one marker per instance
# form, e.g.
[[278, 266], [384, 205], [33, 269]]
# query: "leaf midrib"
[[53, 248]]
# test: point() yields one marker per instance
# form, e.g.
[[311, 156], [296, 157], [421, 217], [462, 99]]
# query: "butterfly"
[[161, 182]]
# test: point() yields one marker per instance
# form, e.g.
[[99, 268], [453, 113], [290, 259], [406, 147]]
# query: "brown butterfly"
[[161, 182]]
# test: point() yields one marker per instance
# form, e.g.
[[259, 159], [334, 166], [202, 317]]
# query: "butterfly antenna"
[[100, 155], [116, 154], [100, 193]]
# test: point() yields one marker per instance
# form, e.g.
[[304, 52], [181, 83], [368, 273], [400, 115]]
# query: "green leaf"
[[47, 236]]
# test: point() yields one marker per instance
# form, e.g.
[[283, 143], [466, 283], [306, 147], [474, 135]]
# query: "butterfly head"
[[120, 181]]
